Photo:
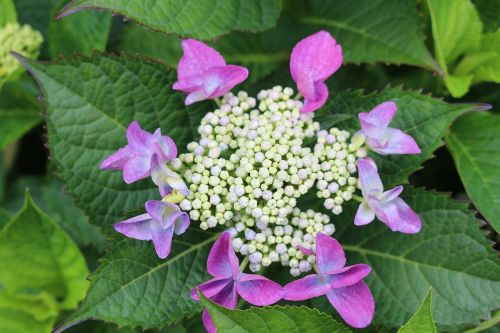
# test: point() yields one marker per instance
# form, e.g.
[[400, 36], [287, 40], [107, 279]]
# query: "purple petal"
[[210, 288], [181, 222], [197, 58], [138, 227], [315, 57], [217, 81], [319, 98], [349, 275], [409, 220], [368, 177], [308, 287], [397, 215], [160, 210], [376, 121], [305, 250], [391, 194], [397, 142], [258, 290], [166, 179], [222, 261], [195, 97], [137, 167], [364, 215], [162, 239], [330, 256], [208, 323], [138, 139], [354, 303], [117, 160], [165, 147]]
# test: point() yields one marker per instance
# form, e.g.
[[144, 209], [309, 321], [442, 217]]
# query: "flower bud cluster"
[[250, 167], [21, 39]]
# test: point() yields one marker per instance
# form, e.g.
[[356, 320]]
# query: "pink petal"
[[117, 161], [308, 287], [222, 261], [398, 142], [210, 288], [305, 250], [330, 256], [208, 323], [364, 215], [195, 97], [181, 222], [137, 167], [197, 58], [165, 147], [162, 240], [217, 81], [138, 139], [320, 97], [410, 221], [376, 121], [397, 215], [350, 275], [258, 290], [316, 57], [138, 227], [160, 211], [189, 84], [354, 303], [166, 179], [391, 194], [368, 177], [227, 297]]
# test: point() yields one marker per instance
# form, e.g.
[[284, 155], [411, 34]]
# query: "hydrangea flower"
[[386, 206], [158, 224], [135, 159], [381, 138], [166, 179], [313, 60], [203, 74], [228, 282], [343, 286]]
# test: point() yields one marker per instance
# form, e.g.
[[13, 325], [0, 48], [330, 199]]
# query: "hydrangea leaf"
[[422, 321], [90, 102], [37, 254], [423, 117], [134, 287], [35, 13], [4, 218], [21, 313], [83, 32], [489, 10], [370, 31], [450, 254], [271, 319], [19, 112], [474, 142], [197, 19], [8, 12]]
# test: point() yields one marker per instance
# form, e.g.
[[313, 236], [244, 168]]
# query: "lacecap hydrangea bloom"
[[21, 39], [256, 157]]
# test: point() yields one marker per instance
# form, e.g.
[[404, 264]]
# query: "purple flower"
[[203, 74], [387, 206], [313, 60], [158, 224], [135, 159], [382, 139], [166, 179], [228, 282], [343, 286]]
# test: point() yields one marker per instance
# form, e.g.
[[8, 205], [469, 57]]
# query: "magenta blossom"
[[203, 74], [387, 206], [314, 59], [343, 286], [166, 179], [158, 224], [135, 159], [228, 282], [381, 138]]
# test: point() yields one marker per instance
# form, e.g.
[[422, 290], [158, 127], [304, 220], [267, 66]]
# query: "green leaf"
[[36, 253], [90, 102], [19, 112], [8, 13], [21, 313], [474, 142], [83, 32], [370, 30], [271, 319], [134, 287], [36, 13], [422, 321], [450, 254], [4, 218], [199, 19], [489, 10], [423, 117]]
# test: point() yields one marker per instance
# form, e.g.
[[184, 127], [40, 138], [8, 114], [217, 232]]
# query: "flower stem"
[[298, 96], [357, 198], [218, 101], [486, 324], [244, 264]]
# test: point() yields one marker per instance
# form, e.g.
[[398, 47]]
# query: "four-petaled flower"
[[135, 159], [203, 74], [158, 224], [343, 286], [381, 138], [228, 282], [313, 60], [387, 206]]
